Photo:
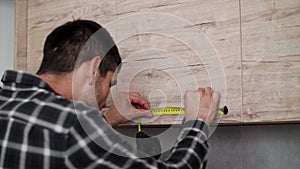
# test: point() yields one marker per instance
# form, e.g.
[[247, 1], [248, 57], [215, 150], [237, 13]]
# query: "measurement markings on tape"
[[179, 110]]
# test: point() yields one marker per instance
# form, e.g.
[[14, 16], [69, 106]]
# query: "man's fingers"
[[208, 91], [202, 104], [201, 91], [138, 101], [142, 110], [206, 98], [143, 104], [142, 113]]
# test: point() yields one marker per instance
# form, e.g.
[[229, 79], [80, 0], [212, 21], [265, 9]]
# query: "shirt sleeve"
[[92, 143]]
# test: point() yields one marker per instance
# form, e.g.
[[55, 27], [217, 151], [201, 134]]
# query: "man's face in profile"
[[102, 87]]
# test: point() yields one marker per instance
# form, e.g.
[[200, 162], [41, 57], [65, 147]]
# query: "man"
[[49, 120]]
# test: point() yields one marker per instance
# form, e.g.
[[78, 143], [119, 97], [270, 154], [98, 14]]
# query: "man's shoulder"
[[73, 110], [64, 112], [28, 99], [43, 109]]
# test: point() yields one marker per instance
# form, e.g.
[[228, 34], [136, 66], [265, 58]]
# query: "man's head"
[[85, 46]]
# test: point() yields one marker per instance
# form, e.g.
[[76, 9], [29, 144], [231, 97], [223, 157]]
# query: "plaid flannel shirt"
[[41, 129]]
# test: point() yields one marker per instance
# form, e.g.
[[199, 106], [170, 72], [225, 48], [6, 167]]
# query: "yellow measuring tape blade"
[[139, 125], [173, 111]]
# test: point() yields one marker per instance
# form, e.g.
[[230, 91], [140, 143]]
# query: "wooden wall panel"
[[44, 16], [220, 23], [21, 32], [257, 42], [271, 60]]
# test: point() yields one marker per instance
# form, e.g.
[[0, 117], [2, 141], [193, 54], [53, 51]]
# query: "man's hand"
[[123, 111], [201, 103]]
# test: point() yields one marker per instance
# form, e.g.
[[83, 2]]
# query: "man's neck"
[[61, 84]]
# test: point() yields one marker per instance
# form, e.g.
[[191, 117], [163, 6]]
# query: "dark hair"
[[73, 43]]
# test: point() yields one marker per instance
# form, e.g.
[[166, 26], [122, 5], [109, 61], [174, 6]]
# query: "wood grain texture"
[[258, 43], [219, 22], [271, 60], [271, 91], [20, 35], [45, 16], [163, 86], [270, 30]]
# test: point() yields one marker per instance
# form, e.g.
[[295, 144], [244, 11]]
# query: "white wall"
[[6, 35]]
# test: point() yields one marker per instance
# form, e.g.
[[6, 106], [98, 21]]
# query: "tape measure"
[[179, 110], [175, 111]]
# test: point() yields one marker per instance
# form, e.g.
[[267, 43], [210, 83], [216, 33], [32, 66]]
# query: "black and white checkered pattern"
[[40, 129]]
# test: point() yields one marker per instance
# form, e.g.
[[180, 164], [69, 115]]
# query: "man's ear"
[[93, 69]]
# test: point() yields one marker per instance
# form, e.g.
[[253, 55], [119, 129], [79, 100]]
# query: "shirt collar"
[[23, 80]]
